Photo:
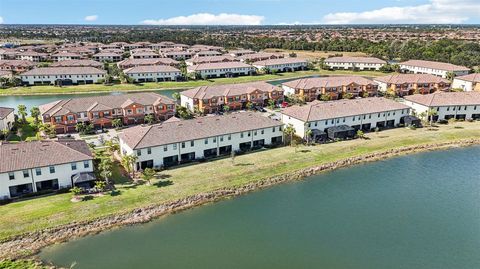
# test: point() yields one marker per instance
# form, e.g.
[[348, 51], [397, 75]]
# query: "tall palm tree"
[[128, 161], [106, 166], [35, 113], [289, 130], [112, 147], [431, 113], [149, 119], [117, 123], [308, 135], [22, 111]]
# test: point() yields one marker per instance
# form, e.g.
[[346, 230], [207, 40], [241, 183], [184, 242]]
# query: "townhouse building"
[[357, 114], [334, 87], [62, 76], [258, 56], [8, 54], [7, 118], [209, 59], [448, 105], [408, 84], [281, 64], [128, 63], [64, 56], [32, 56], [107, 57], [161, 45], [467, 83], [434, 68], [354, 63], [144, 55], [223, 69], [177, 54], [170, 143], [210, 99], [16, 66], [29, 167], [240, 52], [156, 73], [207, 53], [77, 63], [102, 110]]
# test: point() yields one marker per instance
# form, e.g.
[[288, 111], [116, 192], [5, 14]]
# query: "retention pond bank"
[[416, 211]]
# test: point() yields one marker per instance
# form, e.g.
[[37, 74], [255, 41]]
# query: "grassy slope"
[[21, 264], [40, 213], [171, 85]]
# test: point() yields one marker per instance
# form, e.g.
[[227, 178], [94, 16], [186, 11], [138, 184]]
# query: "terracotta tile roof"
[[475, 77], [435, 65], [446, 98], [71, 70], [207, 92], [221, 65], [17, 63], [259, 56], [319, 110], [327, 82], [28, 155], [66, 54], [77, 63], [211, 59], [151, 69], [280, 61], [148, 61], [370, 60], [107, 54], [185, 130], [411, 78], [106, 102], [5, 111]]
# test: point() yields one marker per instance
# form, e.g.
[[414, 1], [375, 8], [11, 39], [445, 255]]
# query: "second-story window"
[[25, 173], [38, 171], [74, 166], [11, 176], [86, 164], [52, 169], [139, 152], [149, 150]]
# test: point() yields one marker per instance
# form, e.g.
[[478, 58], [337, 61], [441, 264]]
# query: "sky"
[[239, 12]]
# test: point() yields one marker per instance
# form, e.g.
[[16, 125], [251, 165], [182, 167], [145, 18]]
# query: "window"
[[52, 169], [221, 138], [206, 141], [25, 173], [38, 171], [241, 135], [174, 146], [183, 145], [149, 150], [192, 143], [229, 137], [139, 152], [249, 134], [86, 164], [74, 166], [11, 176], [263, 132], [214, 140]]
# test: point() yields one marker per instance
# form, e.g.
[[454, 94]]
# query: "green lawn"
[[172, 84], [21, 264], [25, 131], [30, 215]]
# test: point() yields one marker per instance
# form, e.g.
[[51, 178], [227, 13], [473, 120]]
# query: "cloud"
[[1, 20], [209, 19], [91, 18], [435, 11]]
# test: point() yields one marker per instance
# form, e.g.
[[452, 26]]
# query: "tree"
[[176, 96], [117, 123], [226, 108], [80, 127], [48, 130], [100, 185], [249, 105], [112, 147], [308, 135], [450, 76], [271, 104], [325, 97], [347, 96], [3, 81], [148, 174], [360, 134], [128, 162], [35, 113], [22, 111], [5, 133], [14, 81], [105, 168], [431, 113], [289, 130], [149, 119]]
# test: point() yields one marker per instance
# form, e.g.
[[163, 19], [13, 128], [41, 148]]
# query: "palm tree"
[[5, 133], [128, 161], [289, 130], [3, 81], [35, 113], [22, 111], [112, 147], [106, 166], [308, 135], [117, 123], [176, 96], [226, 108], [149, 119], [431, 113], [148, 174]]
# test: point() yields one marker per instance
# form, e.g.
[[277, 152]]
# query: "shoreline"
[[29, 244]]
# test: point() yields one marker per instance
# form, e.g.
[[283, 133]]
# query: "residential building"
[[177, 54], [16, 66], [335, 87], [62, 76], [359, 114], [156, 73], [7, 118], [144, 55], [107, 57], [457, 105], [38, 166], [434, 68], [281, 64], [210, 99], [355, 63], [8, 54], [32, 56], [408, 84], [467, 83], [240, 52], [102, 110], [259, 56], [170, 143], [64, 56], [209, 59], [128, 63], [223, 69], [207, 53], [77, 63]]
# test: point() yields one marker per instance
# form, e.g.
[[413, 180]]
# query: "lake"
[[417, 211]]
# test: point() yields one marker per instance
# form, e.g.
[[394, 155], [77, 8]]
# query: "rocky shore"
[[28, 244]]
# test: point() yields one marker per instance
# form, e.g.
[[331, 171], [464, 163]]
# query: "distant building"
[[408, 84], [62, 76], [210, 99], [171, 143], [355, 63], [448, 105], [128, 63], [29, 167], [32, 56], [240, 52], [153, 73], [467, 83], [335, 87], [16, 66], [65, 56], [281, 64], [107, 57], [77, 63], [359, 114], [209, 59], [259, 56], [224, 69], [434, 68], [102, 110]]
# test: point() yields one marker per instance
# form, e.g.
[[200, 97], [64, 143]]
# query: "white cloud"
[[436, 11], [1, 20], [209, 19], [91, 18]]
